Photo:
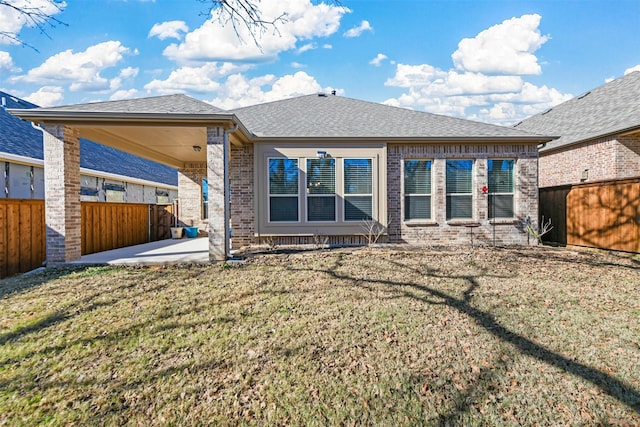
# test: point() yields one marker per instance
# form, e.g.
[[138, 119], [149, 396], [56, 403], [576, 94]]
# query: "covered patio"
[[175, 130]]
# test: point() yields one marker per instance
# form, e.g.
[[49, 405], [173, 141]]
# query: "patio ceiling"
[[165, 138]]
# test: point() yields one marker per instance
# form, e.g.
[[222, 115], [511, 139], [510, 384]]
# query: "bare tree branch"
[[246, 14], [40, 17]]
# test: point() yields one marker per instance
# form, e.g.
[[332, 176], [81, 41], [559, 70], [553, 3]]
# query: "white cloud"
[[632, 69], [81, 69], [129, 72], [506, 48], [297, 65], [377, 61], [304, 21], [486, 83], [238, 91], [306, 47], [6, 63], [169, 29], [202, 79], [46, 96], [357, 31], [12, 21], [123, 94]]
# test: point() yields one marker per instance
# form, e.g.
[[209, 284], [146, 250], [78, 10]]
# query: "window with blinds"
[[321, 189], [459, 183], [501, 188], [417, 189], [358, 190], [283, 190]]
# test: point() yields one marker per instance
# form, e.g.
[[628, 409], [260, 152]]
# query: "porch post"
[[218, 215], [62, 194]]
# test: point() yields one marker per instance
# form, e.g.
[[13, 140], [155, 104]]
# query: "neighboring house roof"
[[18, 137], [330, 116], [609, 109]]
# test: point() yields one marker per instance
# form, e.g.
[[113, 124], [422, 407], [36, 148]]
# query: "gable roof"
[[330, 116], [166, 104], [18, 137], [609, 109]]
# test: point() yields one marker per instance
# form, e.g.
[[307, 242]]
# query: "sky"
[[495, 61]]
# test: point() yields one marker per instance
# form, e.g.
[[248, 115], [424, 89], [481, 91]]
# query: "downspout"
[[227, 191]]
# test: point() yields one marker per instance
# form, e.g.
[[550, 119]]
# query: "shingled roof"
[[18, 137], [330, 116], [609, 109], [169, 104]]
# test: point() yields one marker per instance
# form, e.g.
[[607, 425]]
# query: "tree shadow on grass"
[[615, 388]]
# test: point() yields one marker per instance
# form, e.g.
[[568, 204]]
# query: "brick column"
[[190, 193], [215, 175], [62, 194]]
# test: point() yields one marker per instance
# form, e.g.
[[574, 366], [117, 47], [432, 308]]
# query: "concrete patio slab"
[[162, 252]]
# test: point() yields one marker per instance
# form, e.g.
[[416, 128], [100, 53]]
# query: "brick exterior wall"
[[62, 190], [190, 194], [613, 157], [242, 195], [439, 231], [215, 176]]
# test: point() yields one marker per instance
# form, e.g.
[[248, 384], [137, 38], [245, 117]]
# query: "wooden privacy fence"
[[104, 226], [602, 215], [22, 235]]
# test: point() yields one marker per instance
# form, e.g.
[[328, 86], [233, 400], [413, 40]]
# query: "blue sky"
[[494, 61]]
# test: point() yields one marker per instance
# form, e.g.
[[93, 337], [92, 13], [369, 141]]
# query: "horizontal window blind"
[[459, 183], [357, 176], [417, 207], [283, 176], [321, 176]]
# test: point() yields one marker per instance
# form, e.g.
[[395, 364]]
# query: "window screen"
[[417, 189], [283, 190], [321, 188], [501, 188], [459, 182], [358, 190]]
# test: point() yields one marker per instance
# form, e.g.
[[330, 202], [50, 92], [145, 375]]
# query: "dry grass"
[[364, 336]]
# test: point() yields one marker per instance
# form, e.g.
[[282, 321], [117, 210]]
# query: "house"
[[590, 174], [107, 174], [598, 135], [315, 167]]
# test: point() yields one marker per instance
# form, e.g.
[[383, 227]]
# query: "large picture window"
[[321, 189], [283, 190], [417, 189], [501, 188], [459, 182], [358, 190]]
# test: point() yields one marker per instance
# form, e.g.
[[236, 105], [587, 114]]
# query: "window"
[[321, 189], [501, 188], [114, 191], [459, 184], [358, 190], [283, 190], [205, 198], [417, 189]]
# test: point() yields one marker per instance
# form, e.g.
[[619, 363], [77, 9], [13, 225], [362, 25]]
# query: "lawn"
[[369, 336]]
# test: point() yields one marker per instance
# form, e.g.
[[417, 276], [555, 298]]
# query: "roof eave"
[[411, 139], [86, 117], [621, 132]]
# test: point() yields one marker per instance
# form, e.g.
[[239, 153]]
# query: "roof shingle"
[[609, 109]]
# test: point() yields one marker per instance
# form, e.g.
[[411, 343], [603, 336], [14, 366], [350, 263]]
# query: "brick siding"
[[190, 194], [613, 157], [242, 195], [439, 231]]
